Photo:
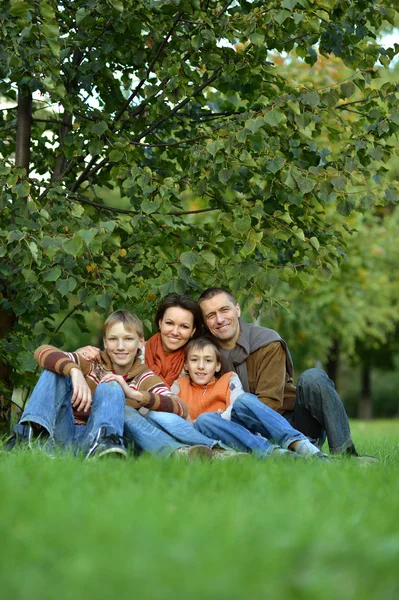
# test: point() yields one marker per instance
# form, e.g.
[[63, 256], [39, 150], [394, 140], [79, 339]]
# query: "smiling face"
[[201, 364], [176, 327], [122, 346], [221, 318]]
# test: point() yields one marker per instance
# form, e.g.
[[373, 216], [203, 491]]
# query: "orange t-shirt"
[[205, 398]]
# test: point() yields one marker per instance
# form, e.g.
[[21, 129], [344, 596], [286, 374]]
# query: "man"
[[262, 360]]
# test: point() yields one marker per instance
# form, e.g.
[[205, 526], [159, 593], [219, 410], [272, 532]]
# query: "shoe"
[[221, 454], [197, 452], [282, 453], [19, 437], [367, 459], [106, 443]]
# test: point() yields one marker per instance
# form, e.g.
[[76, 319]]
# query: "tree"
[[216, 152]]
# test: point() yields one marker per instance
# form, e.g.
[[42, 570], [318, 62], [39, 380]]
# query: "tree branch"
[[149, 69], [125, 211]]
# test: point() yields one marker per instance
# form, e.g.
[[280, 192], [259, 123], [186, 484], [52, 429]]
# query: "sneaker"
[[221, 454], [106, 443], [283, 453], [19, 437], [197, 452], [367, 459]]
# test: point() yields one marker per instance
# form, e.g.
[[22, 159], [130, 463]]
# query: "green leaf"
[[276, 164], [65, 286], [150, 206], [347, 89], [339, 182], [52, 274], [305, 184], [242, 225], [115, 155], [73, 245], [189, 259], [311, 99], [104, 300], [99, 128], [315, 242], [241, 136], [274, 117], [21, 189], [18, 9], [214, 147], [34, 250], [254, 124], [248, 248], [209, 257], [298, 233], [391, 195], [87, 235], [224, 175]]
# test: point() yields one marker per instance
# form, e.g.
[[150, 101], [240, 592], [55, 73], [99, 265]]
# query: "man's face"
[[221, 318]]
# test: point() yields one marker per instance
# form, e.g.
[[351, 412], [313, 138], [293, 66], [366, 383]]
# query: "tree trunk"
[[365, 408], [8, 318], [333, 361]]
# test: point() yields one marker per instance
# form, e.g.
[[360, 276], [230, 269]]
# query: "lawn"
[[171, 530]]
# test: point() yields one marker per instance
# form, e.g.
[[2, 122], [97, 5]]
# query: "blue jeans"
[[161, 432], [50, 406], [319, 412], [249, 417]]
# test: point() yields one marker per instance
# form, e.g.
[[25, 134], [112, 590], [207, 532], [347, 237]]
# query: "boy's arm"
[[60, 362], [157, 396]]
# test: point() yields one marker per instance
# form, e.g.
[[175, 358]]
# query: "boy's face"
[[122, 346], [202, 364]]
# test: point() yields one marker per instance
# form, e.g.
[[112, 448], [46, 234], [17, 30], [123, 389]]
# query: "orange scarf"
[[167, 366]]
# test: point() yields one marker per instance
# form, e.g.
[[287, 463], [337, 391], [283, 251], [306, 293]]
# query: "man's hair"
[[180, 301], [214, 291], [200, 344], [130, 322]]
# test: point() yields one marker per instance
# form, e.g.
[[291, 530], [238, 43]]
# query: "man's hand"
[[90, 353], [81, 397]]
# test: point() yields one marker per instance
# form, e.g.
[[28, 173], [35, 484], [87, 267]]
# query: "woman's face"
[[176, 328]]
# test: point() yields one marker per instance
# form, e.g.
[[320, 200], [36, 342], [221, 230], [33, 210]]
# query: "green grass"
[[168, 529]]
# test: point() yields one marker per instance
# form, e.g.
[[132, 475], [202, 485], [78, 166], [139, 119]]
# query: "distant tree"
[[217, 153]]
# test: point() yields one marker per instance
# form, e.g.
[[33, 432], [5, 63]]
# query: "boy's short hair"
[[215, 291], [130, 322], [201, 343]]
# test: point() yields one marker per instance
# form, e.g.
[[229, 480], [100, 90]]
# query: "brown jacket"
[[268, 378]]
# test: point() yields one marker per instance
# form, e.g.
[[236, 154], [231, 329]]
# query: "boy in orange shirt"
[[214, 405]]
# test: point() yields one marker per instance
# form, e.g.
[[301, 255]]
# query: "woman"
[[178, 319]]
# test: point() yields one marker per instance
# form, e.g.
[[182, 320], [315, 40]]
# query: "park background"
[[153, 147]]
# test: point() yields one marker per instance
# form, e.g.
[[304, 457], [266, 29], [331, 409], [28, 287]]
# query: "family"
[[207, 385]]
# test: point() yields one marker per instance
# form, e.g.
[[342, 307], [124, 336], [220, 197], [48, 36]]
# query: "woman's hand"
[[90, 353], [81, 397], [129, 393]]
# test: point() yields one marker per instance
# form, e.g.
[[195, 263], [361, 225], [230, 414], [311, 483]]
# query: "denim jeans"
[[319, 412], [161, 432], [250, 417], [147, 437], [50, 406]]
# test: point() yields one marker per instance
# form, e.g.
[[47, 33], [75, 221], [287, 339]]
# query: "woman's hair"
[[128, 320], [181, 301], [200, 344]]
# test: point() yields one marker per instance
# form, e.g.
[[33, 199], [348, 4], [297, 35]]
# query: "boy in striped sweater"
[[80, 404]]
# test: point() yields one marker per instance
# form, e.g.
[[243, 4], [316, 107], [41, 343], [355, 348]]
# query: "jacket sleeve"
[[60, 362], [267, 375], [157, 396]]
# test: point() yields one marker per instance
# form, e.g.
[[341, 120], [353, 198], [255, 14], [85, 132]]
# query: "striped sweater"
[[156, 395]]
